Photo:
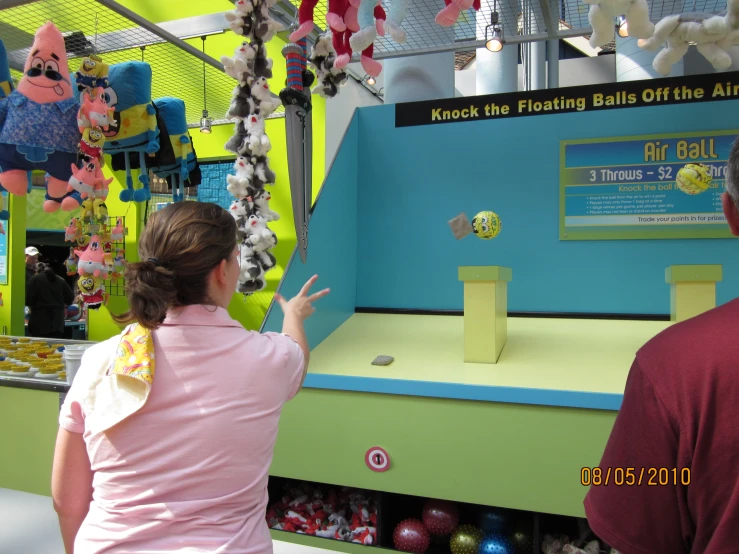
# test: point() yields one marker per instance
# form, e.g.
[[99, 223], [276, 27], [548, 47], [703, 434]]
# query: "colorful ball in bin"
[[466, 540], [495, 543], [73, 312], [492, 520], [411, 536], [486, 225], [440, 517], [693, 178], [522, 540]]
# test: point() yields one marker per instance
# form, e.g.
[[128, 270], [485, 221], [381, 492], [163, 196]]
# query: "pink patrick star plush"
[[38, 123]]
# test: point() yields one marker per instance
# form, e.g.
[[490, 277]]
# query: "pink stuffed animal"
[[88, 180], [94, 112], [91, 260]]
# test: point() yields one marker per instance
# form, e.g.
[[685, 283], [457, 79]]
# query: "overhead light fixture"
[[205, 120], [205, 123], [622, 28], [371, 80], [494, 34]]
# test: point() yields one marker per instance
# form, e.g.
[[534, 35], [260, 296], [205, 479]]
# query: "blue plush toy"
[[172, 113], [135, 130], [6, 81]]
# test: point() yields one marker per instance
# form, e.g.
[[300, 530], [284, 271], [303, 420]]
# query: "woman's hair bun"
[[151, 291]]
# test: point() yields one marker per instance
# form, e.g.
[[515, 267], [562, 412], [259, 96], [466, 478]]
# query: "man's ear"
[[731, 212]]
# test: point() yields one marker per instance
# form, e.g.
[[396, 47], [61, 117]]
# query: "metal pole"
[[157, 30]]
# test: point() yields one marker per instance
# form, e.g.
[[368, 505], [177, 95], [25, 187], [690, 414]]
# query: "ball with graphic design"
[[693, 178], [486, 225]]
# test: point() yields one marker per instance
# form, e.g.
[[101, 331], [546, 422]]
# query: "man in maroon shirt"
[[678, 423]]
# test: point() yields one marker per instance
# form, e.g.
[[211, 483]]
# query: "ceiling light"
[[371, 80], [205, 123], [494, 34], [622, 27]]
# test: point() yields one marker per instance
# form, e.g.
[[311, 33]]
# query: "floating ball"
[[73, 312], [495, 543], [693, 178], [466, 540], [486, 225], [440, 517], [523, 542], [492, 520], [411, 536]]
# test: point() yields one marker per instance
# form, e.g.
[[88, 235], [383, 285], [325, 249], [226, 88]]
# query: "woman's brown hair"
[[179, 247]]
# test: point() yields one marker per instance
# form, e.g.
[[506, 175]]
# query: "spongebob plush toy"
[[135, 129], [173, 117], [486, 225], [93, 73], [6, 81]]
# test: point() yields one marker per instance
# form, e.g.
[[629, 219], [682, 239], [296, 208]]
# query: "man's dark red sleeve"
[[639, 518]]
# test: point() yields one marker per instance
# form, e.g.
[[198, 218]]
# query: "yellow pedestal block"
[[485, 312], [692, 289]]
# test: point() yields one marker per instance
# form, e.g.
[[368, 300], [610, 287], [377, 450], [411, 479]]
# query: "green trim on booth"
[[12, 312], [507, 455], [694, 273], [29, 433], [327, 544], [485, 273]]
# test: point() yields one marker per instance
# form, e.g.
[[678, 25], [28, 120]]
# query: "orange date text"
[[634, 476]]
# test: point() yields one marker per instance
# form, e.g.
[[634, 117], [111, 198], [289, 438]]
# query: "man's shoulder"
[[707, 335]]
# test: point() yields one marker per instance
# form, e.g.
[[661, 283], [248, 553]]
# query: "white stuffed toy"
[[249, 267], [259, 236], [238, 65], [603, 12], [259, 143], [261, 201], [268, 100], [240, 185], [708, 32]]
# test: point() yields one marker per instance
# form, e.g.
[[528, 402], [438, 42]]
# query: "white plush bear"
[[258, 141], [268, 101], [235, 67], [708, 32], [240, 185], [259, 236], [261, 201], [602, 13]]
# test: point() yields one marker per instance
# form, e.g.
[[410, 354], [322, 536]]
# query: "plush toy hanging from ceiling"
[[711, 34], [251, 104], [6, 81], [448, 15], [38, 123], [323, 61], [173, 115], [342, 38], [603, 12], [134, 129]]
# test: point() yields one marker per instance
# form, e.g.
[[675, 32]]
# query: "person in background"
[[179, 460], [675, 441], [47, 298], [32, 254]]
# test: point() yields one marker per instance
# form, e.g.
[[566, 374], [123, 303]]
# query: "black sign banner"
[[709, 87]]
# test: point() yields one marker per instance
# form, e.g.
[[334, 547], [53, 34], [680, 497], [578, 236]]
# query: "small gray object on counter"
[[461, 226], [383, 360]]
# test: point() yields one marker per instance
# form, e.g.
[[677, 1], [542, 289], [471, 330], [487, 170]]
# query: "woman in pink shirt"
[[174, 457]]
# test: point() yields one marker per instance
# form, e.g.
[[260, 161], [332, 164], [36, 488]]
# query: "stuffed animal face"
[[254, 125], [46, 71]]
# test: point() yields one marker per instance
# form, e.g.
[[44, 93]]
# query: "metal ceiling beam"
[[551, 24], [160, 32], [14, 3]]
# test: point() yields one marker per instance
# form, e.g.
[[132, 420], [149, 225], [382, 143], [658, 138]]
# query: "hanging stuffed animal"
[[448, 16], [603, 12], [395, 17], [39, 123], [709, 34], [323, 59], [261, 202], [370, 25], [342, 40], [235, 67], [305, 20], [259, 143], [92, 74], [6, 80]]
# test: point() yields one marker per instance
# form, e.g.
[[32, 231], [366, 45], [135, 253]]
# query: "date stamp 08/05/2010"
[[634, 476]]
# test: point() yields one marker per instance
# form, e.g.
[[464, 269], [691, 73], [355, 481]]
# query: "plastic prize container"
[[73, 358]]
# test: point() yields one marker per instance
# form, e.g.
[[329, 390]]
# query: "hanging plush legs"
[[367, 30], [343, 50], [305, 20], [15, 181], [448, 16], [335, 15], [371, 67], [398, 9], [602, 13], [706, 32]]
